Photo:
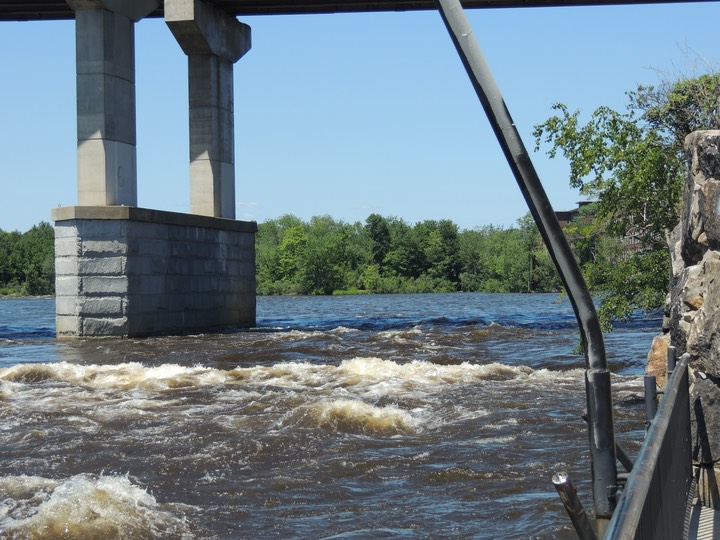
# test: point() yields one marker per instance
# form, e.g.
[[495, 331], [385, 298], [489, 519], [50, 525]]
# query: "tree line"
[[389, 255], [27, 262], [329, 256]]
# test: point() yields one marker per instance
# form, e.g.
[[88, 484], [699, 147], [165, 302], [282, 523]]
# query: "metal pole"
[[601, 434], [573, 506], [623, 458], [671, 361]]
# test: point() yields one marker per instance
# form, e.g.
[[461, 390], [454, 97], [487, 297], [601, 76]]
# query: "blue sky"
[[348, 115]]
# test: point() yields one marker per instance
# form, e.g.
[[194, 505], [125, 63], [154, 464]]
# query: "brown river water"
[[399, 416]]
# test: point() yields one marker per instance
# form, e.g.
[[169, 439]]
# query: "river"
[[384, 416]]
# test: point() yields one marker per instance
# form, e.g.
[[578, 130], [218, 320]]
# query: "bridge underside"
[[36, 10]]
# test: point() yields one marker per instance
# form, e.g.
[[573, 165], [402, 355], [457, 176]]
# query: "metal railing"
[[657, 488], [655, 499]]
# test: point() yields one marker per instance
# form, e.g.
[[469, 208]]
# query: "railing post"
[[573, 506], [650, 399], [671, 361]]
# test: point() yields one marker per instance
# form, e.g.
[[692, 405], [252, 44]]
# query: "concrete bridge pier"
[[105, 63], [213, 42], [127, 271]]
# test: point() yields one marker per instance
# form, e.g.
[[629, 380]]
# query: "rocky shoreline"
[[692, 310]]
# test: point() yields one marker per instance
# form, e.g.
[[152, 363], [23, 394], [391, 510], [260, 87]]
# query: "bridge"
[[128, 271], [36, 10]]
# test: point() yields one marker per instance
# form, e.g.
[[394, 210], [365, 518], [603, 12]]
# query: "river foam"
[[356, 371], [84, 506], [354, 416]]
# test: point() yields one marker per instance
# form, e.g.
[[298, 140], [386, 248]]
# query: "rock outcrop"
[[692, 314]]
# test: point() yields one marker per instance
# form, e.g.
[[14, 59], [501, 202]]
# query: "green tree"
[[319, 257], [290, 258], [494, 259], [632, 163], [38, 245], [276, 268], [473, 270], [387, 255], [325, 261], [440, 247], [27, 261], [405, 256], [378, 231]]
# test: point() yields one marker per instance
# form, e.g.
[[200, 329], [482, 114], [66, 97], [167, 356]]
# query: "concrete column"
[[105, 57], [213, 41]]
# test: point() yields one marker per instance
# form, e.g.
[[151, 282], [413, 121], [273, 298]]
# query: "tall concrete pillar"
[[213, 41], [105, 57]]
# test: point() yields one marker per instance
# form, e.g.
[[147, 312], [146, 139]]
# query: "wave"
[[365, 396], [369, 370], [85, 506], [354, 416], [122, 376], [11, 334], [359, 371]]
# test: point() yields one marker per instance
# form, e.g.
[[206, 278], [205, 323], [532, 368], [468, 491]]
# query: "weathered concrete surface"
[[692, 321], [213, 42], [105, 59], [123, 271]]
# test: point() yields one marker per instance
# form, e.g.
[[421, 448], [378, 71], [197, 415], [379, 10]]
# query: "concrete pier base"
[[129, 272]]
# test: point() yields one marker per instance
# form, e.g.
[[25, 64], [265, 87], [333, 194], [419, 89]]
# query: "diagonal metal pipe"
[[597, 376]]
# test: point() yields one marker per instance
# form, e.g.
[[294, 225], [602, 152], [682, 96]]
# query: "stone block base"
[[125, 271]]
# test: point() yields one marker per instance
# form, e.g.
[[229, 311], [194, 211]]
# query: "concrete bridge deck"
[[36, 10]]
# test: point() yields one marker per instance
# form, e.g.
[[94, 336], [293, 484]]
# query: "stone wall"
[[692, 314], [124, 271]]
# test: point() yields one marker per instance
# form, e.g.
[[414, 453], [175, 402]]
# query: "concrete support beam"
[[213, 42], [105, 57]]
